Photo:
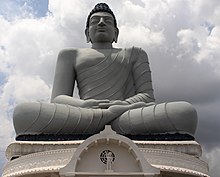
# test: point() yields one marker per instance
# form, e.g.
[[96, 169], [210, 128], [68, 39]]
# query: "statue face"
[[101, 28]]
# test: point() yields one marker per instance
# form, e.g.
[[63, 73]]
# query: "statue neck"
[[102, 45]]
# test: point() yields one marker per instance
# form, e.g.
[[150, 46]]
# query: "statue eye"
[[109, 21], [94, 21]]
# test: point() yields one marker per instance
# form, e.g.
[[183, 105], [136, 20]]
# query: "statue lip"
[[101, 29]]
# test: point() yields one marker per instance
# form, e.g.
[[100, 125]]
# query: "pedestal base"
[[83, 158]]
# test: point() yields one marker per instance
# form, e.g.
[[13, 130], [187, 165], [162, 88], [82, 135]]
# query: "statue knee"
[[59, 99], [24, 115], [183, 116], [122, 124]]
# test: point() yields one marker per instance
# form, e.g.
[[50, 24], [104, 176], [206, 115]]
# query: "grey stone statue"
[[115, 88]]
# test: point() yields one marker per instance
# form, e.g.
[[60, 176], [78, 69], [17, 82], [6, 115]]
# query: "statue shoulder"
[[67, 54], [137, 53], [68, 51]]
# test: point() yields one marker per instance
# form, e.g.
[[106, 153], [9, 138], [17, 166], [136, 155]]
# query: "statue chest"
[[103, 76], [93, 60]]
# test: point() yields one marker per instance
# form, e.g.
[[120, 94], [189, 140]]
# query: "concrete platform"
[[85, 158]]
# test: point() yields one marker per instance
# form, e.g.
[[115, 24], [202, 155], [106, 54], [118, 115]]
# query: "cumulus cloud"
[[212, 157], [182, 39], [22, 88], [146, 37]]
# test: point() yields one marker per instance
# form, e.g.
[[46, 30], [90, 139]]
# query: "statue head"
[[101, 25]]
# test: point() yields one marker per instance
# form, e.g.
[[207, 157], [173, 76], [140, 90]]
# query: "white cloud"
[[213, 157], [205, 11], [201, 44], [22, 88], [210, 49], [31, 45], [145, 36], [6, 131], [188, 39]]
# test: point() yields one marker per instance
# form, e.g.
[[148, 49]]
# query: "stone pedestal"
[[105, 154]]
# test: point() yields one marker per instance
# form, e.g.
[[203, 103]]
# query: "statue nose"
[[101, 21]]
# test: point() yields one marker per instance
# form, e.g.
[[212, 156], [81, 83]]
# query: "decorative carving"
[[47, 161], [107, 157], [172, 159], [106, 145], [21, 148], [53, 160]]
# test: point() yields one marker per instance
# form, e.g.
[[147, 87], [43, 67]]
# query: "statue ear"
[[87, 35], [116, 35]]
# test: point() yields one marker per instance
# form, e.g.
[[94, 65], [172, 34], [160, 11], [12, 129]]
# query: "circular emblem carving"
[[107, 156]]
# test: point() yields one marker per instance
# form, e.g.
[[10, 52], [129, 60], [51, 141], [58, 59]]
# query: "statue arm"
[[64, 80], [64, 74], [142, 78]]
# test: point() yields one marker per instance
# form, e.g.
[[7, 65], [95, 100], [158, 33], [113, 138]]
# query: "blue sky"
[[14, 8], [181, 37]]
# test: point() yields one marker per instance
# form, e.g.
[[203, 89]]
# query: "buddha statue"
[[115, 88]]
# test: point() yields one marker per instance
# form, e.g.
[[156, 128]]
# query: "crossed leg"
[[53, 118], [159, 118]]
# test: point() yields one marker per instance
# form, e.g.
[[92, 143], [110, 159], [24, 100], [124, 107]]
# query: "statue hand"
[[120, 109], [92, 103], [111, 103]]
